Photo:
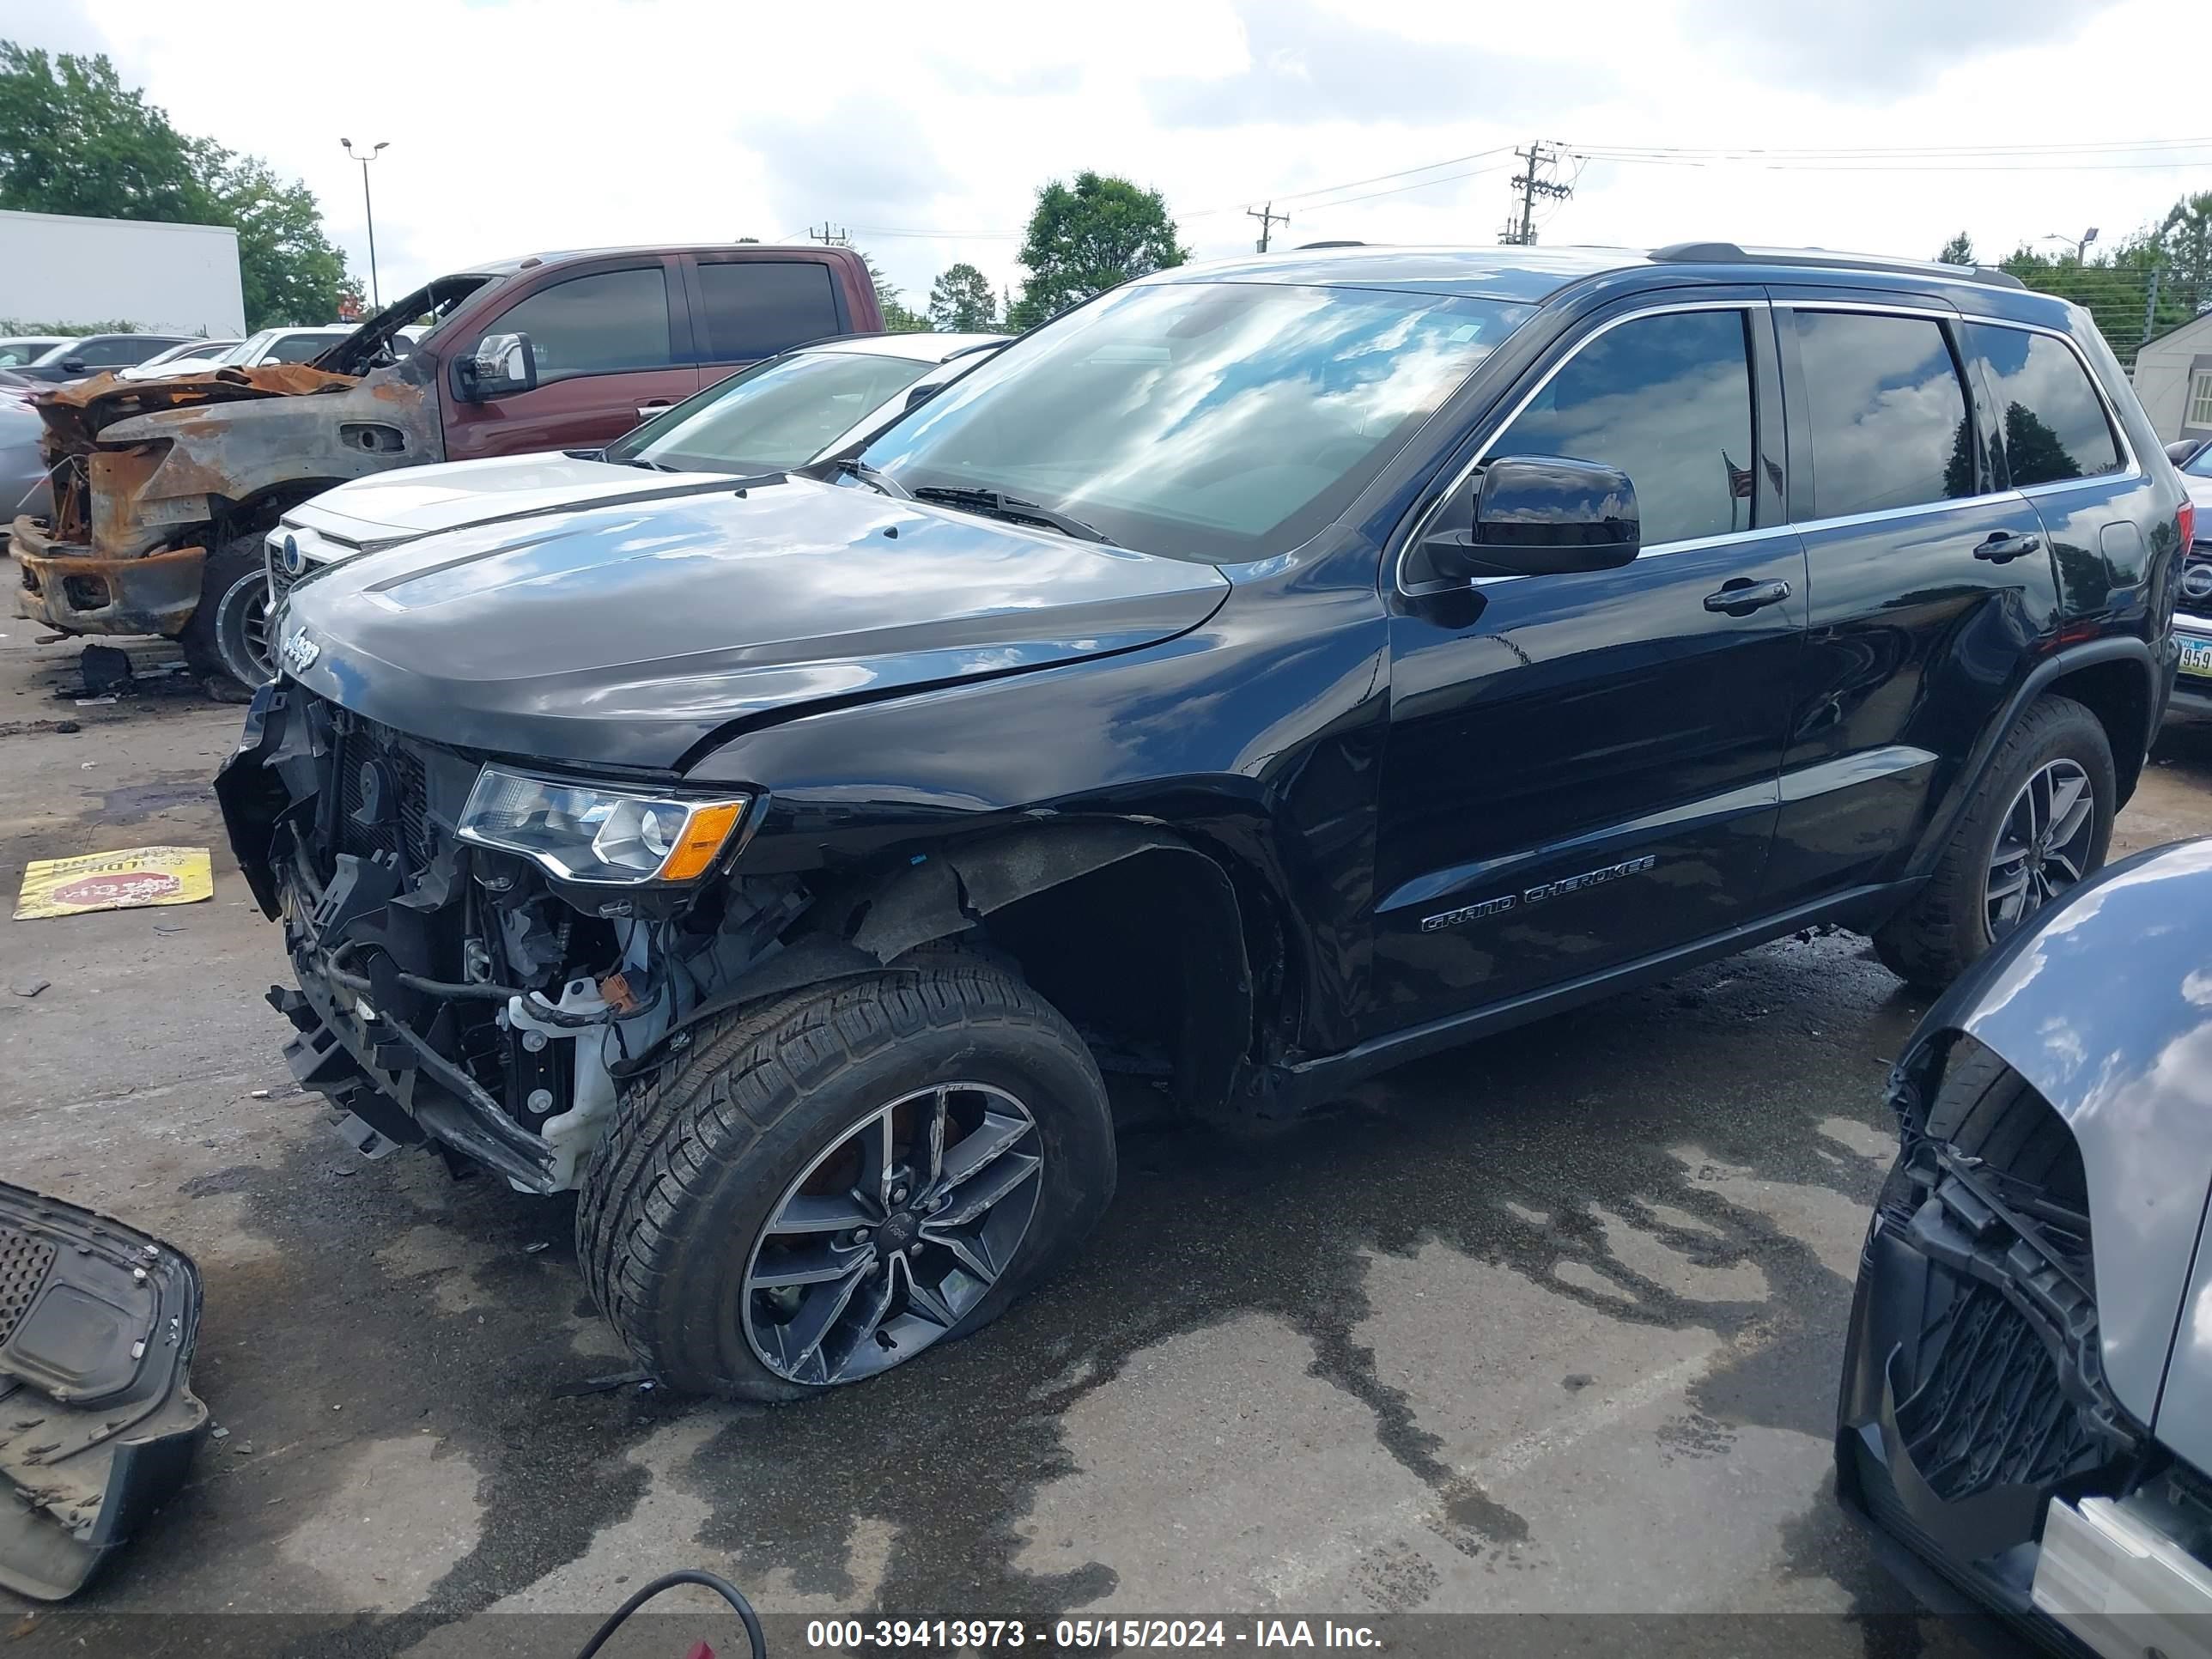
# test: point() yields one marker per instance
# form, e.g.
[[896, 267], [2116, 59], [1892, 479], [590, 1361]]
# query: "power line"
[[1354, 184]]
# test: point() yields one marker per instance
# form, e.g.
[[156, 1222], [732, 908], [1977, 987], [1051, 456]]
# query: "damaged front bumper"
[[1974, 1389], [98, 1422], [450, 992], [69, 588]]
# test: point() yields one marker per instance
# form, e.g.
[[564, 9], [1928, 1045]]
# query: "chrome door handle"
[[1743, 596], [2002, 544], [647, 412]]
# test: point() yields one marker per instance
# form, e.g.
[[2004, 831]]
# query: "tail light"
[[2186, 521]]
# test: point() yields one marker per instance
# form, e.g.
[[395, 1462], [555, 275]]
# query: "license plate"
[[2197, 658]]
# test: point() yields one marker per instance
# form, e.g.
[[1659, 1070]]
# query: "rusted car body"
[[147, 478], [162, 489]]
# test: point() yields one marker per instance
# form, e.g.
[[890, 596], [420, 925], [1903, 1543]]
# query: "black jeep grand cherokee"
[[1264, 674]]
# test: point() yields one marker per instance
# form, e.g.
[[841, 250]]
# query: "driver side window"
[[1666, 399], [601, 323]]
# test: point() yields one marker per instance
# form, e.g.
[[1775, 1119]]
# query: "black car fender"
[[2104, 1005], [2129, 747]]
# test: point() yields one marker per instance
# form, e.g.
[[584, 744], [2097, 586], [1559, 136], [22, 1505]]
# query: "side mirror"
[[73, 365], [922, 394], [2180, 453], [503, 365], [1541, 515]]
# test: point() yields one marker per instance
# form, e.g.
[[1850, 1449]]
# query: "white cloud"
[[543, 124]]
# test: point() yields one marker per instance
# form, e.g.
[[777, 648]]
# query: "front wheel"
[[2041, 822], [826, 1186]]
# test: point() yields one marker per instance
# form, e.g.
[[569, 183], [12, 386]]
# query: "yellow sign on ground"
[[115, 881]]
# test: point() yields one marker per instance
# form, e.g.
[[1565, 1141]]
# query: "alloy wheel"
[[893, 1235], [2043, 844]]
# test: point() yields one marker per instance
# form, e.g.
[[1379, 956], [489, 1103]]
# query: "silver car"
[[2027, 1403], [812, 401]]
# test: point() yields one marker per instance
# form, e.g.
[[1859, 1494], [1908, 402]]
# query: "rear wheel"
[[829, 1185], [2040, 822], [227, 640]]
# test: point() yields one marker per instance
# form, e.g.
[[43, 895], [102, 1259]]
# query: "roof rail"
[[1339, 242], [1729, 253]]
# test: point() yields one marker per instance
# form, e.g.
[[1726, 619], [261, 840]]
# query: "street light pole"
[[375, 297]]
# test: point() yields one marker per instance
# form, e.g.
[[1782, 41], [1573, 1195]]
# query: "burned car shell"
[[2104, 1009], [153, 460]]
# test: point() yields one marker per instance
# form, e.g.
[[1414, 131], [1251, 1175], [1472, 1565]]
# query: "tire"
[[225, 640], [673, 1224], [1948, 923]]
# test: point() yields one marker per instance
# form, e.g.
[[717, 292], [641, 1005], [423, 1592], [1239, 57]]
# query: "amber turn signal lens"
[[704, 834]]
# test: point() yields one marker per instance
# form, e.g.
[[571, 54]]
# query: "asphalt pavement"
[[1549, 1325]]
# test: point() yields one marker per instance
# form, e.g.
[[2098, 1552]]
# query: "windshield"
[[2200, 463], [776, 414], [249, 349], [1218, 421], [13, 352]]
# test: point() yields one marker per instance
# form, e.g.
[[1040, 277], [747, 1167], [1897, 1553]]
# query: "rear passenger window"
[[1667, 399], [757, 308], [2054, 421], [594, 325], [1888, 413]]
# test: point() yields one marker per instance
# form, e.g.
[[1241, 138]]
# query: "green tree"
[[961, 302], [1095, 235], [2114, 287], [1959, 250], [287, 268], [73, 139], [2184, 242], [898, 318]]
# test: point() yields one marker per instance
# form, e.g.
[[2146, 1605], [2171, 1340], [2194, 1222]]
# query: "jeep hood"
[[387, 508], [631, 634]]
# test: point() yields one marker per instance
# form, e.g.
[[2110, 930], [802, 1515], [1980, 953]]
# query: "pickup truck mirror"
[[1541, 515], [502, 365]]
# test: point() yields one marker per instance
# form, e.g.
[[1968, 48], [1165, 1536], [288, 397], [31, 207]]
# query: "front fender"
[[156, 472], [2105, 1007]]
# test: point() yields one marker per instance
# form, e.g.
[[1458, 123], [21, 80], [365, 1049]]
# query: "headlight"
[[606, 836]]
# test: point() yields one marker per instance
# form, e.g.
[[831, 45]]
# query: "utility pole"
[[1531, 182], [375, 297], [2150, 307], [830, 236], [1268, 219]]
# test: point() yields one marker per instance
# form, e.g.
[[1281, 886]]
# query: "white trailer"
[[173, 279]]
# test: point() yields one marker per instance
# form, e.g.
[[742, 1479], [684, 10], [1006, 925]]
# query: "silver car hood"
[[387, 508]]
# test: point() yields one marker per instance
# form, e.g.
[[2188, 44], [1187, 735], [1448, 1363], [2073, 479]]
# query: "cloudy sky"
[[925, 129]]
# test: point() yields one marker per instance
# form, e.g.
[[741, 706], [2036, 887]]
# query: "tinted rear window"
[[757, 308], [2054, 422], [1888, 413]]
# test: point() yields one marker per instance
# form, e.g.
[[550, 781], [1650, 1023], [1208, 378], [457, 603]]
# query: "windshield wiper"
[[1000, 505], [640, 460]]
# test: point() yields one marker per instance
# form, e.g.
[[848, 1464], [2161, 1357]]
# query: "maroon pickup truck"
[[162, 489]]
